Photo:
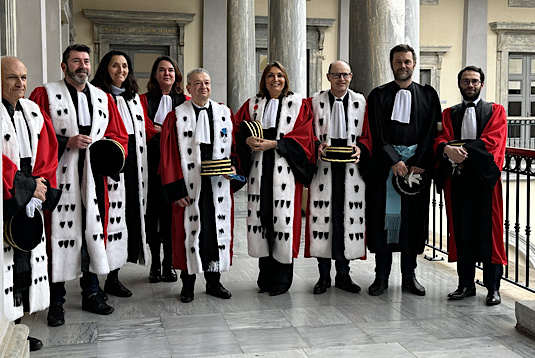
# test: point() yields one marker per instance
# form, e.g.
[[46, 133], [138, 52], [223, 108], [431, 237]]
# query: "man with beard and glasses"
[[402, 117], [83, 227], [471, 150]]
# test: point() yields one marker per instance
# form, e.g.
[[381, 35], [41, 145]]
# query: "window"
[[521, 85]]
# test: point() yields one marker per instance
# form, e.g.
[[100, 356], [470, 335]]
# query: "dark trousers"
[[274, 276], [324, 266], [88, 283], [383, 264], [188, 281], [492, 273]]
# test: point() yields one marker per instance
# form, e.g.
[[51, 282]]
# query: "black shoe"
[[186, 295], [117, 289], [56, 315], [102, 294], [462, 292], [493, 298], [35, 344], [217, 290], [155, 275], [410, 284], [95, 304], [378, 286], [345, 283], [322, 285], [277, 292], [169, 275]]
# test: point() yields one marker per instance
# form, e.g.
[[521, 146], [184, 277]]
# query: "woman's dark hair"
[[263, 91], [153, 86], [103, 80]]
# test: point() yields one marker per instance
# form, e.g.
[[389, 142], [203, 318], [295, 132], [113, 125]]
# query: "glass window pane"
[[515, 87], [262, 62], [515, 66], [515, 108], [532, 114], [532, 87]]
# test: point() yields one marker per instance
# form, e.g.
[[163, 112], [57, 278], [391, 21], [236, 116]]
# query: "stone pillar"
[[53, 40], [287, 40], [475, 36], [377, 27], [343, 30], [412, 32], [214, 48], [241, 52]]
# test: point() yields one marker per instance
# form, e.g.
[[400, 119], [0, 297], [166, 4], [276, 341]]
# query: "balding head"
[[13, 79], [340, 77]]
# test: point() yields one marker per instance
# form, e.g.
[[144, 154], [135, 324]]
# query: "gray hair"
[[197, 70]]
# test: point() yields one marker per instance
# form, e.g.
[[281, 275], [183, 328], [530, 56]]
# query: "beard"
[[403, 76], [80, 75], [470, 96]]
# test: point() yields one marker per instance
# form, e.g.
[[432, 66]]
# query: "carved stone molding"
[[431, 59], [512, 37], [139, 28]]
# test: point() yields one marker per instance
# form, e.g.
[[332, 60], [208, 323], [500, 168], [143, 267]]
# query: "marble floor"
[[154, 323]]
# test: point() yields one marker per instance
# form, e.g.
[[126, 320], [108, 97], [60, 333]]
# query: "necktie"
[[338, 122], [165, 106], [23, 138], [469, 125], [269, 120], [125, 114], [202, 131], [84, 118], [402, 107]]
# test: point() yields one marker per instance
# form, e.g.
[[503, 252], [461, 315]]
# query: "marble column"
[[54, 39], [214, 47], [377, 26], [287, 40], [241, 52], [475, 36], [343, 30], [412, 32]]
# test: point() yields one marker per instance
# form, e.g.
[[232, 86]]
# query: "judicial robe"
[[276, 177], [66, 223], [135, 178], [474, 201], [18, 189], [335, 222], [385, 133], [194, 231]]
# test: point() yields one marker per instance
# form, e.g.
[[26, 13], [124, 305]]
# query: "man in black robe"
[[403, 117]]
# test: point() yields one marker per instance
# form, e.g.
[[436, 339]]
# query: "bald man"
[[29, 148], [335, 213]]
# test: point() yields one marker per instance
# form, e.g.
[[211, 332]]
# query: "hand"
[[40, 189], [79, 141], [416, 170], [259, 144], [456, 154], [226, 176], [183, 202], [399, 169], [157, 128], [321, 150], [356, 155]]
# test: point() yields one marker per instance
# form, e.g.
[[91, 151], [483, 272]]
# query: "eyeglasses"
[[338, 75], [473, 81]]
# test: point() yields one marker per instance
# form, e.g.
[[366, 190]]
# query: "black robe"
[[385, 133]]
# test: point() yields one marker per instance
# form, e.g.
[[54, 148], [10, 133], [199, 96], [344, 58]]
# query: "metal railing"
[[521, 132], [517, 179]]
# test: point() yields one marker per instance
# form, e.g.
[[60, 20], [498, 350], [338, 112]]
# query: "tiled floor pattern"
[[154, 323]]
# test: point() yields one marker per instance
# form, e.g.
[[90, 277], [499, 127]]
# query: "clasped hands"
[[356, 150], [259, 144], [186, 200]]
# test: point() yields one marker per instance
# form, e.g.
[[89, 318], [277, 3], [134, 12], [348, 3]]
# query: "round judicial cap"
[[338, 154], [410, 184], [216, 167], [22, 232], [107, 157]]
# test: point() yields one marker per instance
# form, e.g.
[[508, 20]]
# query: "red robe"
[[174, 184], [493, 137], [302, 134]]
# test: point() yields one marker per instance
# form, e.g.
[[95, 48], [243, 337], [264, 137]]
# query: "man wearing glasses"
[[335, 214], [403, 117], [471, 150]]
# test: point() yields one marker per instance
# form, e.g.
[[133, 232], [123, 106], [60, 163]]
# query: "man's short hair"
[[192, 72], [75, 47], [471, 68], [402, 48]]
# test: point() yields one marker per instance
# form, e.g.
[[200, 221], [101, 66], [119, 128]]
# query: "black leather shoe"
[[102, 294], [186, 295], [35, 344], [378, 286], [345, 283], [493, 298], [322, 285], [462, 292], [56, 315], [155, 275], [410, 284], [277, 292], [169, 275], [217, 290], [117, 289], [95, 304]]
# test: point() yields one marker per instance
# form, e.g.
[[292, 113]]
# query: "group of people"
[[367, 164]]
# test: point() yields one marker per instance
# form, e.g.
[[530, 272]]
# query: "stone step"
[[14, 339], [525, 316]]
